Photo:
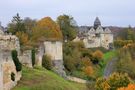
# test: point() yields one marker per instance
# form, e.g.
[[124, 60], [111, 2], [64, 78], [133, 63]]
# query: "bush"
[[33, 57], [16, 61], [12, 76], [46, 62], [130, 87], [125, 62], [115, 81]]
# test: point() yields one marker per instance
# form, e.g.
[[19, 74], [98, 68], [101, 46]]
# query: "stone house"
[[96, 36]]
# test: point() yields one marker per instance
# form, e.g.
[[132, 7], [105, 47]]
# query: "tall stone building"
[[96, 36]]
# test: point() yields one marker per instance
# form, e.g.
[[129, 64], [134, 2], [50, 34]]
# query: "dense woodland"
[[88, 64]]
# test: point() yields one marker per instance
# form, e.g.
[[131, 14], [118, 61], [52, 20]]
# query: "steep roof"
[[97, 23]]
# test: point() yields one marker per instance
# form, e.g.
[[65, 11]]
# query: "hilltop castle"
[[96, 36]]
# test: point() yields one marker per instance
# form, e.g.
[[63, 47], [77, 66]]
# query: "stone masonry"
[[96, 36]]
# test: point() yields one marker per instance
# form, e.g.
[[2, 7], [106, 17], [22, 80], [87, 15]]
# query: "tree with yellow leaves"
[[23, 37], [46, 28]]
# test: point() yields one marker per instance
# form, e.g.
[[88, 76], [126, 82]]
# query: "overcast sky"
[[110, 12]]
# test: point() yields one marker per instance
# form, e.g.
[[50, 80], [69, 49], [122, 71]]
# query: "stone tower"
[[97, 23]]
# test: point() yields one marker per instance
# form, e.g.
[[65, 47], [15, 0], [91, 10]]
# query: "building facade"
[[97, 36]]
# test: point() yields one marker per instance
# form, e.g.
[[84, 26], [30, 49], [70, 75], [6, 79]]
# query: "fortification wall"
[[54, 49], [9, 42], [1, 72], [7, 68], [26, 58]]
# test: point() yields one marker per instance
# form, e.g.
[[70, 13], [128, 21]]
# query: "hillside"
[[42, 79]]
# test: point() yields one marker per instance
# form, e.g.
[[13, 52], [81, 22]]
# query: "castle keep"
[[96, 36]]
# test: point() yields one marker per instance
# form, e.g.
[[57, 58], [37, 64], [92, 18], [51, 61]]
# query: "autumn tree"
[[97, 56], [88, 70], [23, 37], [113, 82], [68, 26], [46, 28], [129, 87]]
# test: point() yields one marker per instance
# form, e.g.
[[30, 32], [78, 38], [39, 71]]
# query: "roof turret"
[[97, 23]]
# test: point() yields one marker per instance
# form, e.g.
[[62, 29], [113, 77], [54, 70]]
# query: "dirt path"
[[110, 67]]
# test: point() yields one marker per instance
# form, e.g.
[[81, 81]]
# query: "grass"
[[42, 79], [106, 58]]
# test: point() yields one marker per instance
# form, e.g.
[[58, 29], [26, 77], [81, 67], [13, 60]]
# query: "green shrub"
[[33, 57], [16, 61], [12, 76], [47, 62]]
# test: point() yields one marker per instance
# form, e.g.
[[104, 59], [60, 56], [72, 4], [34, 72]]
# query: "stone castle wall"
[[26, 58], [8, 67], [9, 42], [53, 49]]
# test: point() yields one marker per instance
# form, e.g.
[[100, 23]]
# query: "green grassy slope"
[[42, 79], [106, 58]]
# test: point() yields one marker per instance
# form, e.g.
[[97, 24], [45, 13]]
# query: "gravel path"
[[110, 67]]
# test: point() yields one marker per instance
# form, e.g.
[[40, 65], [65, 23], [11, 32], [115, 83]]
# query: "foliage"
[[33, 56], [12, 76], [23, 37], [72, 55], [115, 81], [127, 34], [16, 25], [46, 28], [98, 56], [129, 87], [46, 62], [122, 43], [68, 26], [81, 60], [29, 24], [126, 61], [88, 71], [16, 60]]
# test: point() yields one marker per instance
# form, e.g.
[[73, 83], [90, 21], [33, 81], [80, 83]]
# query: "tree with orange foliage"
[[23, 37], [88, 71], [46, 28], [98, 54], [130, 87]]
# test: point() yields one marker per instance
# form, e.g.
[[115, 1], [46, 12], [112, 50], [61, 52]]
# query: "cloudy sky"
[[110, 12]]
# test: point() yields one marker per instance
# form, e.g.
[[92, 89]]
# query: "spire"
[[97, 22]]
